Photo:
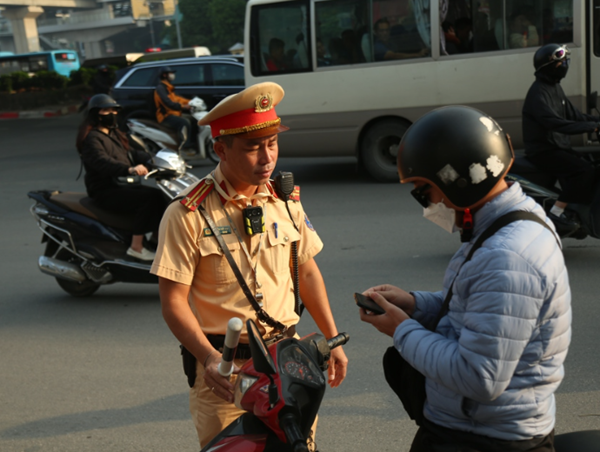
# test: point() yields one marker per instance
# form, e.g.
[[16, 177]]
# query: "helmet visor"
[[560, 54], [419, 194]]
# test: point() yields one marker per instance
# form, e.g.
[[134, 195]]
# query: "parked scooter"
[[281, 389], [85, 245], [542, 187], [156, 136]]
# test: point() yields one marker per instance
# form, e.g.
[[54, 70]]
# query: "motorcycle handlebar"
[[232, 337], [338, 340]]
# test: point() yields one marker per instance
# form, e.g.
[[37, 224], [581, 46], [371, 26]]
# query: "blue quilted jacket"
[[496, 358]]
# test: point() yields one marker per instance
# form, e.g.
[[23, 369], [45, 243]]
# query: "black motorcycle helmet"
[[460, 150], [165, 70], [98, 102], [548, 54], [102, 101]]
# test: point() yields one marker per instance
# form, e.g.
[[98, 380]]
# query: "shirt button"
[[286, 239], [259, 285]]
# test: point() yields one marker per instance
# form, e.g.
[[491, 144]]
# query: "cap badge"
[[263, 103]]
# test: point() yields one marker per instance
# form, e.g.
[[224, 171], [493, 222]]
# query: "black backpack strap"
[[504, 220]]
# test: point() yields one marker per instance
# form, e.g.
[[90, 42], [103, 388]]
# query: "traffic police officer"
[[198, 290]]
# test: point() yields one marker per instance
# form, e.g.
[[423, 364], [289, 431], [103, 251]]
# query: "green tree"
[[228, 22], [216, 24]]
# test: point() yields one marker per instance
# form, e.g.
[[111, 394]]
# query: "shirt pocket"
[[214, 266], [280, 241]]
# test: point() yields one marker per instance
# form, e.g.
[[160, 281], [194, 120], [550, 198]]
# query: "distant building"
[[95, 28]]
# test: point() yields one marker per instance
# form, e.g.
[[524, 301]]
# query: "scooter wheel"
[[78, 289]]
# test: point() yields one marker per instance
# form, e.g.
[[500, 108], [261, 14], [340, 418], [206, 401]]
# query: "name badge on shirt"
[[223, 230]]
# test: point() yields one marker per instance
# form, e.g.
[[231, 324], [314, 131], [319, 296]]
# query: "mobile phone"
[[368, 304]]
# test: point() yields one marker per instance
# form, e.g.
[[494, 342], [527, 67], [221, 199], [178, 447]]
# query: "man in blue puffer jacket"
[[496, 358]]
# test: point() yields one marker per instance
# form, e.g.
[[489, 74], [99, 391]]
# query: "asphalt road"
[[104, 373]]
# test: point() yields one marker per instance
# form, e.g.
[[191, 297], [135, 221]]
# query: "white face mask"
[[171, 76], [443, 216]]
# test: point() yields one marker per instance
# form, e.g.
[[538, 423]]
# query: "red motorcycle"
[[281, 389]]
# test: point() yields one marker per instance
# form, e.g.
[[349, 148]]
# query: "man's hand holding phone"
[[386, 322]]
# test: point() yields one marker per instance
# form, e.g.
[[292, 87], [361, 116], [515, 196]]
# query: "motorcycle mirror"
[[261, 358]]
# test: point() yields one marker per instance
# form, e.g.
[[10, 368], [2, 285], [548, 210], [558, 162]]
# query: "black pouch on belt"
[[189, 365]]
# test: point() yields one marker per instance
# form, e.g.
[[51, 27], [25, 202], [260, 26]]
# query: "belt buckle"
[[272, 339]]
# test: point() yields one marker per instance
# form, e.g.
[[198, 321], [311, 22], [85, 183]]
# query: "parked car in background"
[[211, 78]]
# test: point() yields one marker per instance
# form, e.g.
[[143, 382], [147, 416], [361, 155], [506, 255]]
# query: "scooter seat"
[[83, 204]]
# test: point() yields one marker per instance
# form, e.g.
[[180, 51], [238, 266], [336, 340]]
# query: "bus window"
[[398, 29], [504, 24], [280, 38], [340, 26]]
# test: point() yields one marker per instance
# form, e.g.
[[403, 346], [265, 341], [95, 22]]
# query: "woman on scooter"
[[106, 156]]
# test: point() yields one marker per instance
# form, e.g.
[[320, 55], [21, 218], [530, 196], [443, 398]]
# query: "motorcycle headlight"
[[242, 384]]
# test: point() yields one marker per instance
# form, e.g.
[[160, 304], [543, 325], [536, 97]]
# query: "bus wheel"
[[379, 148]]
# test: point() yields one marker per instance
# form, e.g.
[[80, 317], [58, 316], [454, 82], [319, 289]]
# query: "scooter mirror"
[[261, 358]]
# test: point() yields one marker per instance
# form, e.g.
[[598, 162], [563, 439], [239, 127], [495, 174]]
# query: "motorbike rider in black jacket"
[[549, 118], [106, 157]]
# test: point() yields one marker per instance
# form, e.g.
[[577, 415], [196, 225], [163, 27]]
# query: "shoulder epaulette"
[[295, 196], [195, 197]]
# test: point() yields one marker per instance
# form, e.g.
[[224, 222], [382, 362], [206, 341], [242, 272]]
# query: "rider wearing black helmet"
[[102, 80], [169, 107], [106, 156], [549, 118], [495, 358]]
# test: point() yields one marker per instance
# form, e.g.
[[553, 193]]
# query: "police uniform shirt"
[[189, 254]]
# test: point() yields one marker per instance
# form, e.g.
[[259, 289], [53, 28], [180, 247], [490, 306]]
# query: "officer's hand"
[[218, 384], [338, 365], [396, 296], [388, 322]]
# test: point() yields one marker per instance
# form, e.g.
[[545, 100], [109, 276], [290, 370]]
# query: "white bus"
[[357, 73]]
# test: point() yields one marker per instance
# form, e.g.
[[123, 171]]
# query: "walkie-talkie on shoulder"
[[284, 185]]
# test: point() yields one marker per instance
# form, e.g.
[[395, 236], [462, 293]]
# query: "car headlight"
[[242, 384]]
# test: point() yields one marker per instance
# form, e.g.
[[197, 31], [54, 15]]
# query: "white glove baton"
[[232, 337]]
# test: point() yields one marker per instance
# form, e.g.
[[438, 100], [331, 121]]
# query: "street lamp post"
[[177, 24]]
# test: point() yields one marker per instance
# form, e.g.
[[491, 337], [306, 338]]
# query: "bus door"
[[593, 50]]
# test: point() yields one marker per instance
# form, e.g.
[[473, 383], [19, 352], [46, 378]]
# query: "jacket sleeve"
[[163, 94], [94, 155], [427, 306], [479, 361], [574, 114], [547, 118], [140, 156]]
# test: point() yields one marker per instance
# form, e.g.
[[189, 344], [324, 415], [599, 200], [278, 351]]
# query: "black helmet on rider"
[[98, 102], [102, 101], [546, 58], [165, 70], [460, 150]]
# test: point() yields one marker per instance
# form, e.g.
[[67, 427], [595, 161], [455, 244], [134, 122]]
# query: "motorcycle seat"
[[84, 205]]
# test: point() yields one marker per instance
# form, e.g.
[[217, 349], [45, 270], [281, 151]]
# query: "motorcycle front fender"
[[246, 434]]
